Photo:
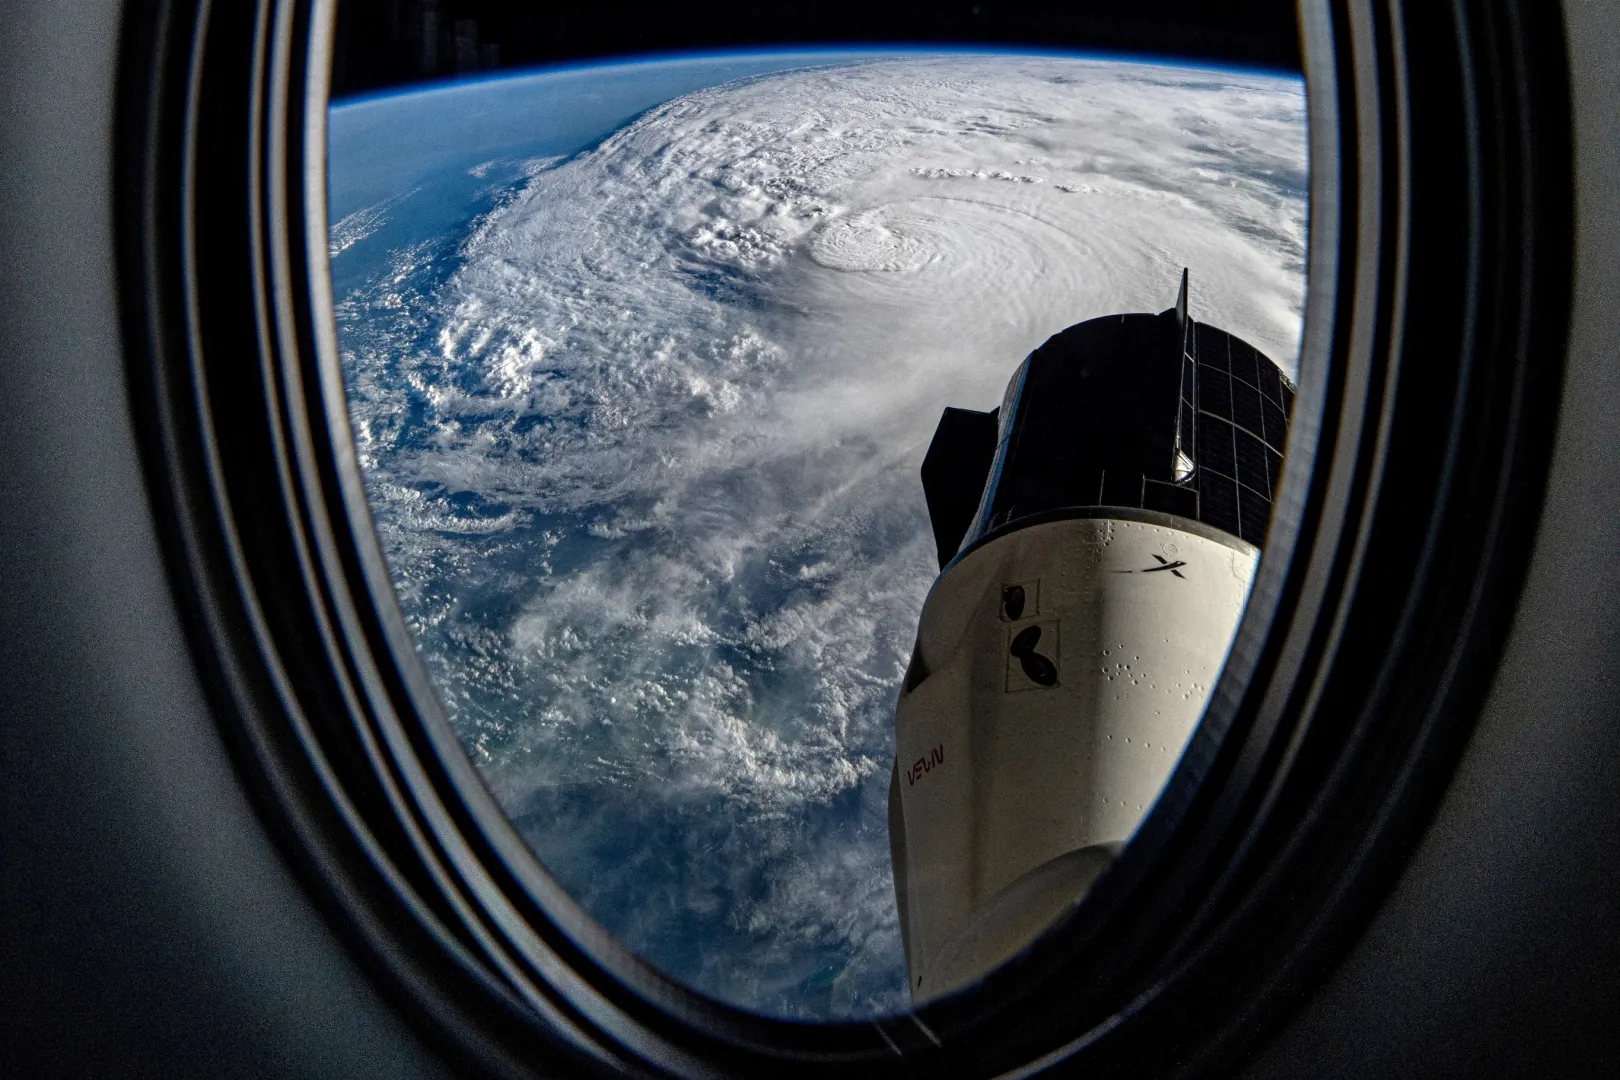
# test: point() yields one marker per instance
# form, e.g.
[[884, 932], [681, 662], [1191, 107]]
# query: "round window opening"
[[822, 485]]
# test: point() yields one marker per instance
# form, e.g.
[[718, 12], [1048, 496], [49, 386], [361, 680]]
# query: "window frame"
[[1440, 218]]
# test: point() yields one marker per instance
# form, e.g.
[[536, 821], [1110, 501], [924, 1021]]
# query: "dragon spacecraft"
[[1097, 537]]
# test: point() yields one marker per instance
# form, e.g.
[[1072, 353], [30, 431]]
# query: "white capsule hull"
[[1058, 675]]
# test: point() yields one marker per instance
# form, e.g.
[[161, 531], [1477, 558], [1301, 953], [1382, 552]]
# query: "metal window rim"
[[1438, 297]]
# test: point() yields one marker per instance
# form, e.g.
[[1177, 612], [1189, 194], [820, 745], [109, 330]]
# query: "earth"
[[643, 359]]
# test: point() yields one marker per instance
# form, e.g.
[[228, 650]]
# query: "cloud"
[[355, 227]]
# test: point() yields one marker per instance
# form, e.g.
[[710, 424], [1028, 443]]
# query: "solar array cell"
[[1245, 362], [1214, 391], [1276, 423], [1252, 469], [1213, 348], [1254, 515], [1217, 503], [1215, 447], [1246, 407]]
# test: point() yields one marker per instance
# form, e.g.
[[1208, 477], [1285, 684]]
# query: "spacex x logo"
[[1164, 564]]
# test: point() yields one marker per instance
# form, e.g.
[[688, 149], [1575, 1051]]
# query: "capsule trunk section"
[[1067, 649]]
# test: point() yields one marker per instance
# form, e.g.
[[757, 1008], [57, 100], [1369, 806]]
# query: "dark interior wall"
[[384, 43], [148, 925]]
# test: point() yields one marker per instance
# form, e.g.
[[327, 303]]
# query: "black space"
[[383, 43]]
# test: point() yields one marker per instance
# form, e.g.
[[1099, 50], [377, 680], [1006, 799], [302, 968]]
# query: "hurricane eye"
[[700, 397]]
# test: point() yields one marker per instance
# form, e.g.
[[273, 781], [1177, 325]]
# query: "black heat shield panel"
[[954, 473]]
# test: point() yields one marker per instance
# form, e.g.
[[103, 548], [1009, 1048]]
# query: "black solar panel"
[[1215, 446], [1214, 391], [1246, 407], [1218, 502], [1276, 423], [1254, 514], [1212, 347], [1136, 410], [1252, 470], [1244, 366], [1243, 408]]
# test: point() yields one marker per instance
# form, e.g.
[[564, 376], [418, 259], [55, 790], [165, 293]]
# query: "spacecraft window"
[[639, 369], [753, 546]]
